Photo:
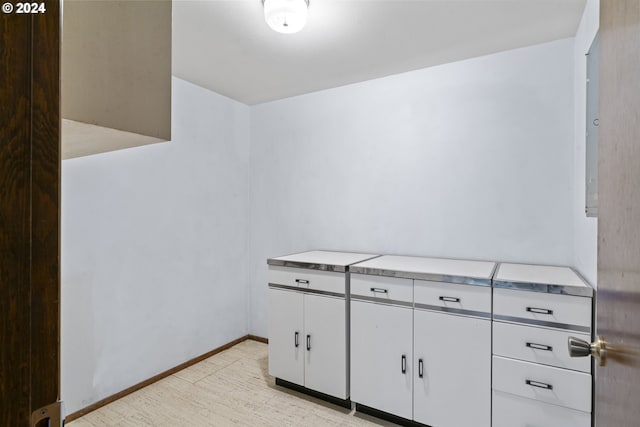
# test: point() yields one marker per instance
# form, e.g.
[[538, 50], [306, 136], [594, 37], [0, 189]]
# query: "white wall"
[[165, 246], [472, 159], [585, 229], [154, 250]]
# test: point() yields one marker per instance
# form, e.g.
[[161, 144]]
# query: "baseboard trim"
[[257, 338], [99, 404]]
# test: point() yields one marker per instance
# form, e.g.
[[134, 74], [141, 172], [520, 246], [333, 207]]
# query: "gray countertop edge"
[[578, 291], [462, 280], [314, 266]]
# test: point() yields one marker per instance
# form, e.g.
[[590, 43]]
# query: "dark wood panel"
[[15, 152], [618, 299], [29, 212], [45, 201]]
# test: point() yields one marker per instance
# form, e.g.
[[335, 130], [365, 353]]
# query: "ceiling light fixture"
[[286, 16]]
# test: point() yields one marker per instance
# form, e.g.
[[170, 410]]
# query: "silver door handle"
[[582, 348], [380, 290]]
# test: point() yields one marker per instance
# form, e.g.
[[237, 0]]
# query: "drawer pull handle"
[[295, 339], [403, 363], [449, 299], [420, 368], [380, 290], [538, 384], [302, 282], [308, 342], [539, 346], [539, 310]]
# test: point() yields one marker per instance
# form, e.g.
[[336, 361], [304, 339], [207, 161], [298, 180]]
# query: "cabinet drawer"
[[557, 386], [453, 297], [515, 411], [539, 345], [381, 288], [328, 281], [559, 311]]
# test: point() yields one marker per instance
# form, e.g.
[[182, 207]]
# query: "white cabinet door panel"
[[455, 388], [286, 361], [326, 358], [380, 336], [516, 411]]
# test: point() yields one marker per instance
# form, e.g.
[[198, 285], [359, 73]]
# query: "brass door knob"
[[582, 348]]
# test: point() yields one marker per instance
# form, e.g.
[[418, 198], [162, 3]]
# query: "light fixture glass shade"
[[286, 16]]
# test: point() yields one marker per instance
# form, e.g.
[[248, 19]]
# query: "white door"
[[452, 370], [286, 340], [381, 368], [325, 345]]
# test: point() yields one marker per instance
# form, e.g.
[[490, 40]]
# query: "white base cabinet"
[[309, 321], [443, 343], [535, 381], [421, 350], [308, 342]]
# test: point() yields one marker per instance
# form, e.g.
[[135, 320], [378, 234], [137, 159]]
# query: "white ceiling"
[[225, 45]]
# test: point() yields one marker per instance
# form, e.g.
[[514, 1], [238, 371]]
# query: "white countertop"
[[430, 266], [338, 259], [539, 274]]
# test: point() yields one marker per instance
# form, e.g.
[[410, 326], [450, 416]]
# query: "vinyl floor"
[[231, 388]]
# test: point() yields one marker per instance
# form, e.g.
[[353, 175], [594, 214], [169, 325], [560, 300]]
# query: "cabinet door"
[[286, 336], [452, 370], [325, 345], [381, 368]]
